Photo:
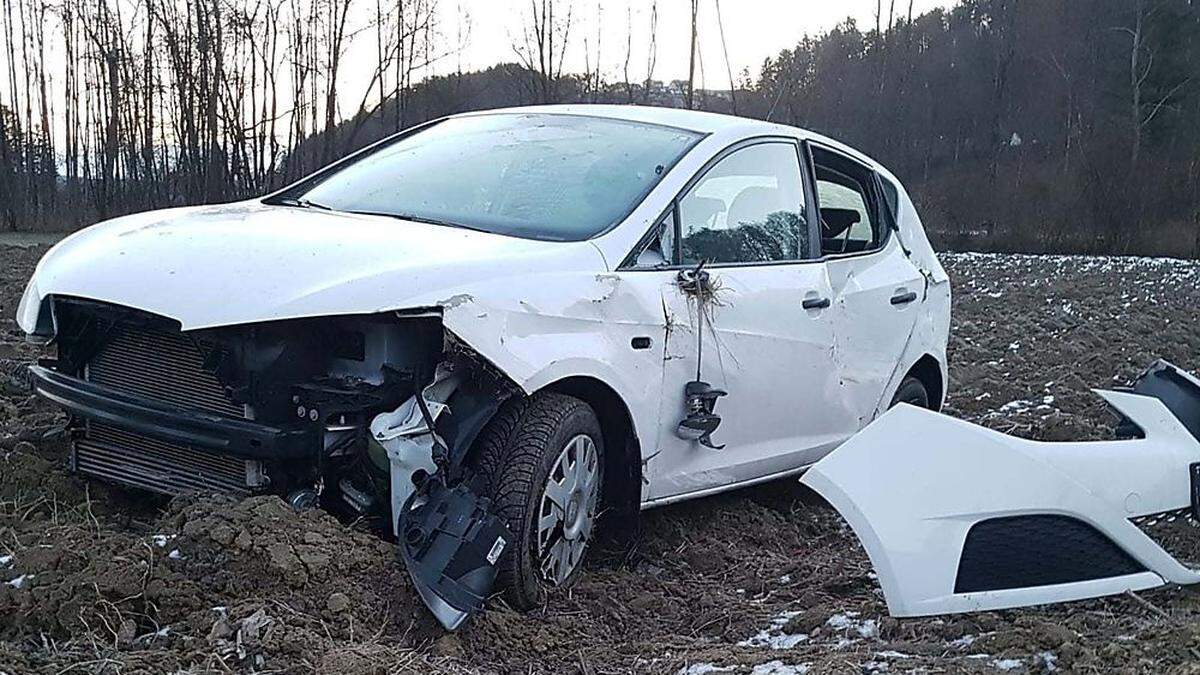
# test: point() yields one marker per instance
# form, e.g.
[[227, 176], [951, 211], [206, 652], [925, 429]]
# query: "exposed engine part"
[[225, 409], [699, 397], [321, 411], [304, 499], [408, 440], [360, 501]]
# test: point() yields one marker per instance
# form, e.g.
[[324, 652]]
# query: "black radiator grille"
[[150, 464], [161, 365], [165, 366]]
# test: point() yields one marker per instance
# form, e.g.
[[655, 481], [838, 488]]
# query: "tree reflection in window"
[[748, 208], [782, 236]]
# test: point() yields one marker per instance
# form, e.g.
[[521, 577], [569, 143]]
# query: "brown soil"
[[768, 579]]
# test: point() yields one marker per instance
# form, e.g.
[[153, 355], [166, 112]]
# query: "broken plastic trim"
[[449, 539], [956, 517], [450, 544], [1177, 389]]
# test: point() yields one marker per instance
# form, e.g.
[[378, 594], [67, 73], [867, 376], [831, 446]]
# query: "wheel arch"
[[622, 449], [929, 371]]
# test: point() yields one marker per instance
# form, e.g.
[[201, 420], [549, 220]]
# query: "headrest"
[[835, 222]]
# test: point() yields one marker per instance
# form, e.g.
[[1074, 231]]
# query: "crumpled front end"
[[369, 416], [958, 518]]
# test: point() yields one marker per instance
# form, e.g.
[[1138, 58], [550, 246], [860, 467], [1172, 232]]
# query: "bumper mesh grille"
[[1177, 532], [150, 464], [162, 365]]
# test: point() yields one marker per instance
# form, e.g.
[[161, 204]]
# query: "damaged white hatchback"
[[499, 330]]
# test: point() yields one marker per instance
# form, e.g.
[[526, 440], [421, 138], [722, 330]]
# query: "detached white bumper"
[[959, 518]]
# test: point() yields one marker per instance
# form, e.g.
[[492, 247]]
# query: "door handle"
[[901, 298], [815, 303]]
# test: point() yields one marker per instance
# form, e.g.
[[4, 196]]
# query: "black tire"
[[513, 460], [913, 392]]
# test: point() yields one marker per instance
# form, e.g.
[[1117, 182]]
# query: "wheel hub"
[[568, 509]]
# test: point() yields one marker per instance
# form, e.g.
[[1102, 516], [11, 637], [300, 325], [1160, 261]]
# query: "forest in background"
[[1024, 125]]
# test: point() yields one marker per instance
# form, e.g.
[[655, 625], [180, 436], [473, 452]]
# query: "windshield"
[[541, 176]]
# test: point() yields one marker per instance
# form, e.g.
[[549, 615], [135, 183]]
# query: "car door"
[[762, 333], [877, 290]]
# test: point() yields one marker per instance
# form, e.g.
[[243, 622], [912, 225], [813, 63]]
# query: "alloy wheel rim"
[[567, 512]]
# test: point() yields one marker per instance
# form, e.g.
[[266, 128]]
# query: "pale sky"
[[754, 30]]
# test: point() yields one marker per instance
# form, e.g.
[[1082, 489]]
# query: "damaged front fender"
[[958, 518]]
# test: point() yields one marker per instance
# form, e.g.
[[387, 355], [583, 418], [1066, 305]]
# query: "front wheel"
[[541, 460], [911, 391]]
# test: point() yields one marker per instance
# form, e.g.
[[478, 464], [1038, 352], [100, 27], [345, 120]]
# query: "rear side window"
[[848, 204], [747, 208]]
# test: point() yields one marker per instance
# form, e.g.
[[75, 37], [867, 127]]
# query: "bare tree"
[[543, 46], [691, 81]]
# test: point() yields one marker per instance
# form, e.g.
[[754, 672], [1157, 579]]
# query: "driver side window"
[[748, 208]]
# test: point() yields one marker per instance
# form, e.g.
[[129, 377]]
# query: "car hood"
[[248, 262]]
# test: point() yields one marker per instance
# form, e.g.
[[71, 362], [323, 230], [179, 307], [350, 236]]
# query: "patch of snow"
[[1007, 664], [6, 561], [849, 622], [892, 654], [20, 581], [1016, 406], [160, 540], [876, 667], [773, 636], [175, 554], [963, 642], [1048, 659], [780, 668], [841, 621]]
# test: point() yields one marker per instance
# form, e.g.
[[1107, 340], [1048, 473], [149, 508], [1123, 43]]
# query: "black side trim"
[[1037, 550], [224, 435], [1175, 389]]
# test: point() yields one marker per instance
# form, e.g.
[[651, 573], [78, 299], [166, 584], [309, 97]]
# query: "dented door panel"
[[873, 330], [772, 357]]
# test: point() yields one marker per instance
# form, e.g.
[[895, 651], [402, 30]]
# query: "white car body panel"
[[544, 311], [912, 484], [761, 340]]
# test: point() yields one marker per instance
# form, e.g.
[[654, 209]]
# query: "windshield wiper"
[[419, 219], [303, 203]]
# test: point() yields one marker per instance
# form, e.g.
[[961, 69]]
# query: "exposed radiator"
[[162, 365], [151, 464], [168, 367]]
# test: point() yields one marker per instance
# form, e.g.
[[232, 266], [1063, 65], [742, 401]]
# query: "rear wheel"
[[913, 392], [541, 460]]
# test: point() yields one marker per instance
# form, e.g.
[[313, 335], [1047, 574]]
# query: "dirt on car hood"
[[248, 262]]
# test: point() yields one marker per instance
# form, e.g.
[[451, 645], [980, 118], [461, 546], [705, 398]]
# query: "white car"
[[604, 308]]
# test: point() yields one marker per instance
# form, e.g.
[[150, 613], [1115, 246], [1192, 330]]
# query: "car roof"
[[692, 120], [680, 118]]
